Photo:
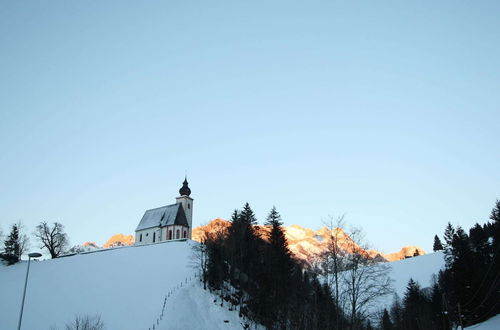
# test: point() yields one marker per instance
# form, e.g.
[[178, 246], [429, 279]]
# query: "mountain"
[[306, 244], [119, 240]]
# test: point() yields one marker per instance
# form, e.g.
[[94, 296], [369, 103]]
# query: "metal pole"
[[24, 295]]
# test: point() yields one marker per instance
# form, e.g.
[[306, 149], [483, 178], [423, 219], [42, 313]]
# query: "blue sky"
[[387, 112]]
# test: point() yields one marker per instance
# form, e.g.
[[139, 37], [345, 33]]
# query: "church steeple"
[[185, 191]]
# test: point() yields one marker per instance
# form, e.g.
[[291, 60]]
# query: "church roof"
[[163, 216]]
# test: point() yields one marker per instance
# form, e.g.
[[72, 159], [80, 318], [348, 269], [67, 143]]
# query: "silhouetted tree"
[[15, 244], [449, 232], [53, 238], [364, 279], [386, 323], [437, 244]]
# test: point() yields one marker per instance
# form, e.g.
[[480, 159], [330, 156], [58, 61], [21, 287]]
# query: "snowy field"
[[126, 286]]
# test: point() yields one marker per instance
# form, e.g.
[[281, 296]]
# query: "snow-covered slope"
[[127, 286], [491, 324], [421, 269], [193, 308]]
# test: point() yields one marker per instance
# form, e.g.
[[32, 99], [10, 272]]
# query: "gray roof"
[[163, 216]]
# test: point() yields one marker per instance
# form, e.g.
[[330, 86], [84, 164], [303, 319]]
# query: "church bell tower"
[[187, 204]]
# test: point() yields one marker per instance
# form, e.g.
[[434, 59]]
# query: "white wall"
[[147, 236], [160, 234], [187, 204]]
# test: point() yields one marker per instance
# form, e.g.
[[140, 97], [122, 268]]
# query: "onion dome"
[[185, 191]]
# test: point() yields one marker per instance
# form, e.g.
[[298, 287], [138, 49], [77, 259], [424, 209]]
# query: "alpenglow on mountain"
[[306, 244]]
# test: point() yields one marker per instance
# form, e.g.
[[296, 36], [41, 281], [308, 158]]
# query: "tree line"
[[253, 271], [465, 292], [50, 237]]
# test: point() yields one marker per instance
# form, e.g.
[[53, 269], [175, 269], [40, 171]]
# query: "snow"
[[490, 324], [194, 308], [127, 286], [421, 269]]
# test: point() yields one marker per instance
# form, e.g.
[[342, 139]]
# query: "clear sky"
[[385, 111]]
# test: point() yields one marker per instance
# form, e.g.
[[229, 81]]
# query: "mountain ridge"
[[306, 244]]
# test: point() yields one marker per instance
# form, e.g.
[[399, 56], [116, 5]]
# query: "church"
[[168, 222]]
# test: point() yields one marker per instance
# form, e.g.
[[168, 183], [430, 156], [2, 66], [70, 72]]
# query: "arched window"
[[154, 237], [189, 206], [177, 234], [184, 235], [169, 234], [140, 238]]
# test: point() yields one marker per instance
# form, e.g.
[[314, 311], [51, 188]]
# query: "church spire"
[[185, 191]]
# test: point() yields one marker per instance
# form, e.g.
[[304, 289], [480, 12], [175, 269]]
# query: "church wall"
[[164, 232], [187, 205], [147, 236]]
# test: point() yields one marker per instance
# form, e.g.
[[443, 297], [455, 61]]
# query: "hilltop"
[[126, 286]]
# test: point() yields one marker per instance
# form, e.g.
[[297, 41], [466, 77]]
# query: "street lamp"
[[31, 255]]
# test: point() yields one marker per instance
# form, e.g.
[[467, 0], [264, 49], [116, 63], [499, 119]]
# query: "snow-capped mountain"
[[307, 244]]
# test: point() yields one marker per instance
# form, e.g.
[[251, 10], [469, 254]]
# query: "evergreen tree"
[[397, 313], [495, 217], [416, 308], [15, 244], [449, 232], [279, 265], [386, 323], [437, 244], [11, 245]]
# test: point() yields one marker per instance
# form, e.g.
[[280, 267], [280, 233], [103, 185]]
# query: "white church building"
[[168, 222]]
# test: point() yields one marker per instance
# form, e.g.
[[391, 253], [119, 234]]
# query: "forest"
[[256, 274]]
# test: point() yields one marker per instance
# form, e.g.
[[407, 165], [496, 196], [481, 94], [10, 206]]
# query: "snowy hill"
[[127, 286], [491, 324], [419, 268]]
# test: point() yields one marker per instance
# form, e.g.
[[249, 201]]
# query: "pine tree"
[[15, 244], [247, 215], [449, 232], [495, 217], [397, 311], [386, 323], [11, 244], [437, 244], [416, 308], [279, 264]]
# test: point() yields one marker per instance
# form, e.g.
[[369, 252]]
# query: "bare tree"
[[364, 278], [54, 239], [199, 258], [333, 261], [86, 323]]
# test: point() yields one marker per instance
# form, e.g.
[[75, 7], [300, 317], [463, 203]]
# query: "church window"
[[154, 237], [170, 234], [184, 235], [140, 238], [189, 206], [177, 234]]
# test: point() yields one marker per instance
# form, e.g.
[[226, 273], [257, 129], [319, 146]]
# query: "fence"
[[169, 294]]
